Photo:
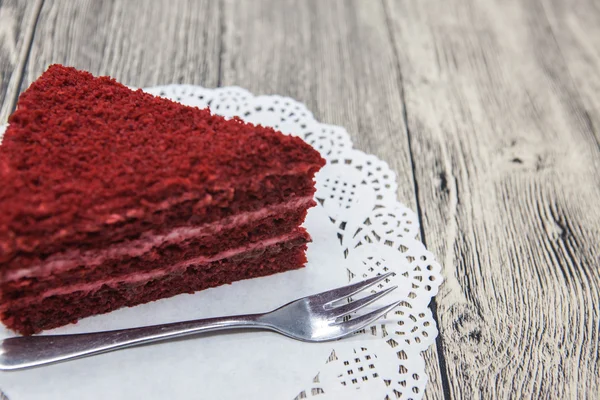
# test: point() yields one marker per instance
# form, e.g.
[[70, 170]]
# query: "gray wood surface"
[[489, 111], [507, 170]]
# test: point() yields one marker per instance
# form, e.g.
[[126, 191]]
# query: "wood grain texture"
[[337, 58], [138, 43], [576, 29], [507, 175], [17, 23]]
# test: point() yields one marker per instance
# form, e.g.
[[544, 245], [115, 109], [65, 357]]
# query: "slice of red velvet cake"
[[111, 197]]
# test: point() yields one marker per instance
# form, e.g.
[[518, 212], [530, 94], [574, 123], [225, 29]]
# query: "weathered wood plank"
[[507, 176], [17, 23], [336, 57], [136, 42]]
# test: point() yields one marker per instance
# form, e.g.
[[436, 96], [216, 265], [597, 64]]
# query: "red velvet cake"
[[112, 197]]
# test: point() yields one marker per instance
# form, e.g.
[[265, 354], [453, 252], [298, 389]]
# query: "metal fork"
[[312, 319]]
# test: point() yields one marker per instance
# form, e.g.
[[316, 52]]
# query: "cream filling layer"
[[64, 261]]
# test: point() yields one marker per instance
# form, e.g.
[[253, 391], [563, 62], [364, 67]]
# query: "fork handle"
[[31, 351]]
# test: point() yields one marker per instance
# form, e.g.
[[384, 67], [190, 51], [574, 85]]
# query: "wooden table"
[[489, 111]]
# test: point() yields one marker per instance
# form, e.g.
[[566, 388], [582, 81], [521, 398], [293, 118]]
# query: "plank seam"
[[590, 124], [221, 9]]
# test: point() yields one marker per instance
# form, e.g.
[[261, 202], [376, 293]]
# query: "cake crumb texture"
[[84, 153]]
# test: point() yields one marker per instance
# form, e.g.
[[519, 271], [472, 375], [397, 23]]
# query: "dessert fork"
[[312, 319]]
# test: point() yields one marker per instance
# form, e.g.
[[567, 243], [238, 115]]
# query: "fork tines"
[[332, 296]]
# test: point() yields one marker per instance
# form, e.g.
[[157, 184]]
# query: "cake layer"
[[58, 310], [273, 217], [35, 247], [203, 249], [88, 161]]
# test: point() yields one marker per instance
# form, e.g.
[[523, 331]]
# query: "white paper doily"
[[359, 230]]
